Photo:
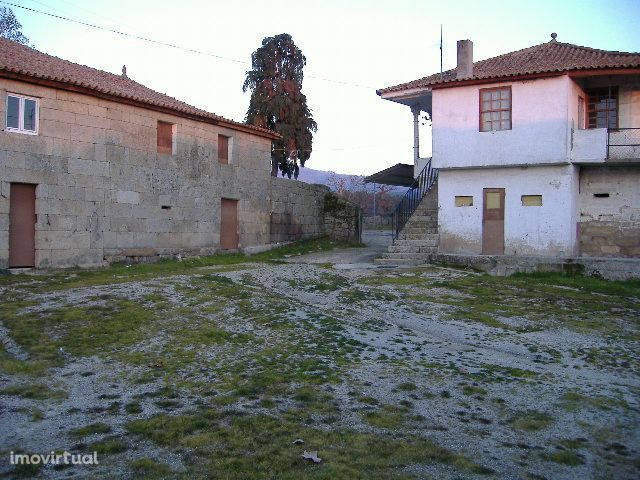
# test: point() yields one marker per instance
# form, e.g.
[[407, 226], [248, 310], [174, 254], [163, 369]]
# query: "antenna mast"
[[440, 51]]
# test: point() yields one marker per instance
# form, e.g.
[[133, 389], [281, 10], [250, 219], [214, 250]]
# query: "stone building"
[[96, 167]]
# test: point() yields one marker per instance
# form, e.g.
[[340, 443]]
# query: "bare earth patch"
[[216, 368]]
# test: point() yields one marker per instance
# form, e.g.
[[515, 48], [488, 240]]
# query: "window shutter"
[[223, 149], [165, 138]]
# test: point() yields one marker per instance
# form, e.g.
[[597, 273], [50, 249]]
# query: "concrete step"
[[426, 239], [397, 261], [417, 236], [416, 230], [413, 244], [418, 217], [393, 250], [421, 225], [412, 255]]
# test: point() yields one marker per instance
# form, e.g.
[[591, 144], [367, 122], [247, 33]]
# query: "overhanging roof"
[[400, 175]]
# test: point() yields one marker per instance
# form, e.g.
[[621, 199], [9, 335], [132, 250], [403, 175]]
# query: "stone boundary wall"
[[608, 268], [302, 211]]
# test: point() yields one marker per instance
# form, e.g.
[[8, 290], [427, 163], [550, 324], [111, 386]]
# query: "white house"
[[536, 152]]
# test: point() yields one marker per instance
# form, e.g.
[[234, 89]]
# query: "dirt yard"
[[229, 367]]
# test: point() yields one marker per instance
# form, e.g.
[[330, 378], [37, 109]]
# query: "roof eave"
[[67, 86]]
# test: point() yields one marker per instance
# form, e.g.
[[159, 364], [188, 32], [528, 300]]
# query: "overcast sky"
[[366, 44]]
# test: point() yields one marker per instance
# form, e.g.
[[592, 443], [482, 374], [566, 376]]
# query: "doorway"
[[22, 225], [229, 224], [493, 221]]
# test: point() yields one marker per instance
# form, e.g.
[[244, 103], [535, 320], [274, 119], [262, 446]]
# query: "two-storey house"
[[95, 167], [534, 153]]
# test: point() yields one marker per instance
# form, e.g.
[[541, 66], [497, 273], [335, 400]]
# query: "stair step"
[[426, 239], [417, 236], [416, 230], [412, 245], [412, 255], [397, 261]]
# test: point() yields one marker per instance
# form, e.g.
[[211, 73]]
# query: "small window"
[[603, 107], [464, 201], [166, 138], [601, 195], [223, 149], [531, 200], [22, 114], [495, 109]]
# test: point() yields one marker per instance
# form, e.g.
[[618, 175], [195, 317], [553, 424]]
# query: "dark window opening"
[[601, 195], [166, 207], [602, 107]]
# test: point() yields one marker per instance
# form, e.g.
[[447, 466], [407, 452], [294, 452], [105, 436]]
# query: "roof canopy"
[[27, 64], [547, 58], [400, 175]]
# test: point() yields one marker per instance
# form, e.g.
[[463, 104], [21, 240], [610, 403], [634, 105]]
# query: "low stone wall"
[[608, 268], [302, 211]]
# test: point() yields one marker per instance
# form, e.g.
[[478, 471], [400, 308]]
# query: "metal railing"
[[623, 143], [413, 197]]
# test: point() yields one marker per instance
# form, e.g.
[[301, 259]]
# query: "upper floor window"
[[495, 109], [22, 114], [603, 107], [223, 149], [166, 137]]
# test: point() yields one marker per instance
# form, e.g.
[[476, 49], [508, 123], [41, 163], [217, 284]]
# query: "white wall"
[[546, 230], [540, 125]]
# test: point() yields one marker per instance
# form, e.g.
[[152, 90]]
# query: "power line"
[[170, 45]]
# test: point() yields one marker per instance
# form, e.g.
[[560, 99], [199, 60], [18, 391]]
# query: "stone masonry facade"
[[104, 193], [610, 211], [302, 211]]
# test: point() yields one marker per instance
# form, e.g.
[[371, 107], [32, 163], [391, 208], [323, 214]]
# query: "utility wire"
[[170, 45]]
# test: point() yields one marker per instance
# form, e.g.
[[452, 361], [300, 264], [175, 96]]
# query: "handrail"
[[423, 182]]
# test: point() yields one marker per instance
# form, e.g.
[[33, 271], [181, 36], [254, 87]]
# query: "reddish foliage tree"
[[277, 102]]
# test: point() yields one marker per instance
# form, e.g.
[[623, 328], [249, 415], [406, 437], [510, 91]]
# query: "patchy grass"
[[573, 401], [92, 429], [75, 278], [565, 457], [150, 468], [388, 417], [531, 420], [260, 447], [108, 446], [35, 391]]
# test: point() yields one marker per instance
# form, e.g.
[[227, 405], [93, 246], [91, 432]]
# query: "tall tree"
[[10, 26], [277, 102]]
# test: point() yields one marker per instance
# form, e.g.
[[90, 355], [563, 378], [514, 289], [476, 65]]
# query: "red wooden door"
[[22, 225], [229, 224], [493, 221]]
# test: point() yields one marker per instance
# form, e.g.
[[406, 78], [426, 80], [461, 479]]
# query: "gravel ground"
[[400, 352]]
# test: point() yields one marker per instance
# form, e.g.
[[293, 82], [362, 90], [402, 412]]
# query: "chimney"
[[465, 59]]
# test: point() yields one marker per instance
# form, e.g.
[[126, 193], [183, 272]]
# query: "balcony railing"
[[623, 143]]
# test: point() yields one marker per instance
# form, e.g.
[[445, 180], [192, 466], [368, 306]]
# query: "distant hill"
[[309, 175]]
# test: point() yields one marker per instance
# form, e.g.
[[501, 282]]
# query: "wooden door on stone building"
[[22, 225], [229, 224]]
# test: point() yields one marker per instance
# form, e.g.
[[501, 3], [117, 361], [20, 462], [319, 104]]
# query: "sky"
[[352, 48]]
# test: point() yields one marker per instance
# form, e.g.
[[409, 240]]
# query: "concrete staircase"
[[419, 238]]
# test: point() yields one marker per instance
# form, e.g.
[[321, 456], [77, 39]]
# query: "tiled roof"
[[548, 57], [24, 61]]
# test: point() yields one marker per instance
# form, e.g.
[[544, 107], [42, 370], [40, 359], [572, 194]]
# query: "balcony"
[[599, 145]]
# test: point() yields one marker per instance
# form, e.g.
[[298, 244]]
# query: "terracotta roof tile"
[[28, 62], [548, 57]]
